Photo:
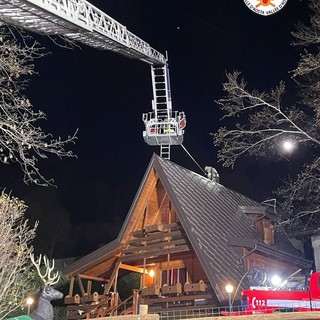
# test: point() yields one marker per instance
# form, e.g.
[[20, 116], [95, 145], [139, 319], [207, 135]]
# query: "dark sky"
[[104, 95]]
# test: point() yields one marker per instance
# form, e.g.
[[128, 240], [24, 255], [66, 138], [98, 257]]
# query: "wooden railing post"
[[135, 301]]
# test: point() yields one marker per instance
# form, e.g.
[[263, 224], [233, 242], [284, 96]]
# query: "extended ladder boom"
[[80, 21]]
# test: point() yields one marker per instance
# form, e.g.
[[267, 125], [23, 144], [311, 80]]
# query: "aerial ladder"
[[82, 22]]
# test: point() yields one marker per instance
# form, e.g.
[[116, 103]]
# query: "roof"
[[210, 214], [214, 220], [106, 252]]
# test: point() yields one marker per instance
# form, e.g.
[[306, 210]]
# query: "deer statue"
[[44, 310]]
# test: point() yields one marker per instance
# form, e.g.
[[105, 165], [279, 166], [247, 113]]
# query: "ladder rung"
[[165, 151]]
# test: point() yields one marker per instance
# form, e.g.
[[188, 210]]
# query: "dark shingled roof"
[[215, 222], [211, 215]]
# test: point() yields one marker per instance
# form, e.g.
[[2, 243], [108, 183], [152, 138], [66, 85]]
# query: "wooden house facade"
[[187, 237]]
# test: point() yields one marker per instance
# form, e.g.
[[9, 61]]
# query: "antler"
[[47, 278]]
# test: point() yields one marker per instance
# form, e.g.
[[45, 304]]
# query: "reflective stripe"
[[289, 303]]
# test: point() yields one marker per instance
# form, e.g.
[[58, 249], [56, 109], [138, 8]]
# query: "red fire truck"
[[295, 295]]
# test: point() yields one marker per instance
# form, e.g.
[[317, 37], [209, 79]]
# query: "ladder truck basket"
[[164, 131]]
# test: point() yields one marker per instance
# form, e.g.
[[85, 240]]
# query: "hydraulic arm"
[[80, 21]]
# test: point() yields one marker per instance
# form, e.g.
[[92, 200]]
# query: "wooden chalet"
[[194, 234]]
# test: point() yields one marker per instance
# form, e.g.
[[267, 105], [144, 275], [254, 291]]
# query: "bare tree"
[[21, 138], [265, 123], [15, 248]]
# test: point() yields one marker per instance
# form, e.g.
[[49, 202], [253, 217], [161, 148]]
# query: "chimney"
[[268, 233]]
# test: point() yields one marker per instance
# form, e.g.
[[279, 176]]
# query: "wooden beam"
[[115, 285], [144, 272], [158, 227], [81, 286], [157, 236], [141, 233], [158, 246], [164, 197], [71, 286], [84, 276], [89, 287], [190, 297], [172, 225], [152, 184], [130, 268], [154, 253], [114, 273]]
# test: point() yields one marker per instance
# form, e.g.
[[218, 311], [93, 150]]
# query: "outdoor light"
[[287, 145], [151, 273], [29, 303], [276, 280], [229, 289]]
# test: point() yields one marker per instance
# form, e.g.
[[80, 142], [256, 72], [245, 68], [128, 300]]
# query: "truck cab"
[[297, 294]]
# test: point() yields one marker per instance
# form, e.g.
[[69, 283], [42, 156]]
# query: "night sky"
[[104, 95]]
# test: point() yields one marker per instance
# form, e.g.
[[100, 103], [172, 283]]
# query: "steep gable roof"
[[212, 219], [210, 216]]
